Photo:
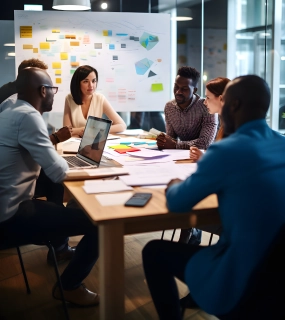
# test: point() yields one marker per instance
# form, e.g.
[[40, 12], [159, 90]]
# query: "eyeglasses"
[[54, 89]]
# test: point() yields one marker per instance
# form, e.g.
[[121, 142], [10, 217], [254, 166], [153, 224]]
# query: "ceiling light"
[[9, 44], [71, 5], [11, 54], [182, 14], [104, 5]]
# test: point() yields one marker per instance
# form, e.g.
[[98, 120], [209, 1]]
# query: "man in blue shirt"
[[25, 147], [246, 170]]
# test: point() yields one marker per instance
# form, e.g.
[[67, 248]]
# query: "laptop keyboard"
[[76, 162]]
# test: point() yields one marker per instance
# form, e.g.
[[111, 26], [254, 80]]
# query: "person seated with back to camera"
[[45, 187], [250, 196], [214, 103], [188, 123], [84, 101]]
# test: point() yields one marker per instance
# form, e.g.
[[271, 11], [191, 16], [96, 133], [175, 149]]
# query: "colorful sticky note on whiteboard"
[[44, 45], [57, 72], [35, 50], [27, 46], [63, 56], [56, 65], [58, 80], [155, 87]]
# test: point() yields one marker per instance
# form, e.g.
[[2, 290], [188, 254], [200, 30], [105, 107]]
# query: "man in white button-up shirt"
[[25, 147]]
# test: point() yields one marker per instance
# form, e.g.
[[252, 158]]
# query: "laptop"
[[92, 145]]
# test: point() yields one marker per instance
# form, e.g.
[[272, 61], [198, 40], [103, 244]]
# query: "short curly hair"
[[189, 73], [32, 63]]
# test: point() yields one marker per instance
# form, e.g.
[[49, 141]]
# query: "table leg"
[[111, 271]]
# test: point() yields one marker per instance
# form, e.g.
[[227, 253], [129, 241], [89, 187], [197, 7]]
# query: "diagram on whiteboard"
[[131, 52]]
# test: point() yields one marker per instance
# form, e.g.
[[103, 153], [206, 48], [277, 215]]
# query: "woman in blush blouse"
[[214, 103], [84, 101]]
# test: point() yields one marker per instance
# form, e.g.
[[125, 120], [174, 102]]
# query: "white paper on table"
[[147, 153], [112, 137], [139, 180], [102, 186], [113, 199], [71, 145], [178, 154], [130, 161], [132, 132]]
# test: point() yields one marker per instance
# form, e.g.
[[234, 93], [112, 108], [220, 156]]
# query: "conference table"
[[116, 221]]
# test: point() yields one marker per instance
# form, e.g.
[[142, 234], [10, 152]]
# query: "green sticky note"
[[156, 87], [72, 71]]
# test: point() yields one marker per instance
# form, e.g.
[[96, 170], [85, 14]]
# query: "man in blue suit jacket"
[[246, 170]]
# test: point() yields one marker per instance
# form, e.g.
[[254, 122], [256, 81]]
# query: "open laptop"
[[92, 145]]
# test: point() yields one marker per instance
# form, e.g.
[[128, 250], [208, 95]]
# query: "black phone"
[[138, 199]]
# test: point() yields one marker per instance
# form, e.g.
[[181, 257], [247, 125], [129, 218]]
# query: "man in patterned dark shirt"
[[188, 121]]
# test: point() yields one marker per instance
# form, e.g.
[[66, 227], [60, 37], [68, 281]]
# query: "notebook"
[[92, 145]]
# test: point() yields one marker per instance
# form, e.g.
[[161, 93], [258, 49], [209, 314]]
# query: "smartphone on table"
[[139, 199]]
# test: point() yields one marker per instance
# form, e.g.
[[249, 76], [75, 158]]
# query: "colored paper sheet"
[[55, 31], [120, 146], [58, 80], [155, 87], [72, 72], [74, 64], [72, 58], [127, 150], [27, 46], [44, 45], [35, 50], [74, 43], [56, 65], [70, 36], [26, 31], [57, 72], [63, 56]]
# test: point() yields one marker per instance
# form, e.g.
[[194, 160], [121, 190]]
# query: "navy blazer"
[[247, 172]]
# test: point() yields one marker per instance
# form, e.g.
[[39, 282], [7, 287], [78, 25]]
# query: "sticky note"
[[57, 80], [26, 31], [74, 64], [63, 56], [72, 58], [44, 45], [120, 146], [55, 31], [70, 36], [157, 87], [56, 65], [35, 50], [74, 43], [105, 33], [27, 46], [57, 72], [127, 150], [72, 71]]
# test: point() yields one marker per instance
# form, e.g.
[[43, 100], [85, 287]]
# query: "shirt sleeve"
[[208, 179], [206, 136], [168, 126], [33, 136]]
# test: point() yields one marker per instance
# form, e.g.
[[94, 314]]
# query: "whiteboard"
[[131, 52]]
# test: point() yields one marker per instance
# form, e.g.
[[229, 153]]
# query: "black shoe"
[[188, 303], [195, 238], [61, 256]]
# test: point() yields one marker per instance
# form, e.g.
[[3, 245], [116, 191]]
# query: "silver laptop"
[[92, 145]]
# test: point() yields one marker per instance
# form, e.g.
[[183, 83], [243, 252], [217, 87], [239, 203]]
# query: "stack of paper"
[[103, 186]]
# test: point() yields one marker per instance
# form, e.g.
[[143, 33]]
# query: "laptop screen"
[[94, 139]]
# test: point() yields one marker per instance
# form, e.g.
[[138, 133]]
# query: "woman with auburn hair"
[[84, 101], [214, 103]]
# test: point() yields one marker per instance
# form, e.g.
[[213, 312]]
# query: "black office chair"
[[6, 243], [264, 295]]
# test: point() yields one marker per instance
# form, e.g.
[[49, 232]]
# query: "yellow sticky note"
[[64, 56], [57, 80], [55, 31], [74, 43], [57, 72], [56, 65], [105, 33], [35, 50], [157, 87], [27, 46], [44, 46], [26, 31]]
